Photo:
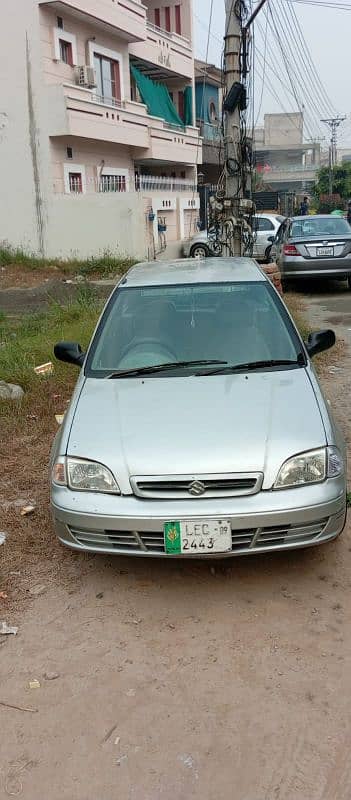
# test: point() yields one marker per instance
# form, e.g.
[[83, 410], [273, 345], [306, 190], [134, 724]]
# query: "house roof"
[[212, 74]]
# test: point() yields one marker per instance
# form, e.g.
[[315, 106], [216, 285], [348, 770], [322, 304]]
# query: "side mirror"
[[71, 352], [320, 341], [271, 239]]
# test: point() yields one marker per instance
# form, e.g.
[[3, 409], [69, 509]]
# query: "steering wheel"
[[144, 344]]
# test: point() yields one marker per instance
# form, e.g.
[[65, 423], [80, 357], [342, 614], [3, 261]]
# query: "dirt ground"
[[179, 680]]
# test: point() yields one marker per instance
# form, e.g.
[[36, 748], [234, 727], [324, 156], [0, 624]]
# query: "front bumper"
[[267, 521]]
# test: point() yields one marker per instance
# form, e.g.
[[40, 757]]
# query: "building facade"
[[284, 162], [209, 103], [99, 147]]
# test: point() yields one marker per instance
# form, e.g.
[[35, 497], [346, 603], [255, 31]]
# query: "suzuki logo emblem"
[[197, 488]]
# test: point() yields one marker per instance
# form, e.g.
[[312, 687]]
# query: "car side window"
[[281, 233], [264, 224]]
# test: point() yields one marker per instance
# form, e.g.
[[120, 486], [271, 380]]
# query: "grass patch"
[[103, 265], [349, 500], [31, 342]]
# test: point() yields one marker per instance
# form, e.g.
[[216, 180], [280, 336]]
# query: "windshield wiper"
[[250, 366], [130, 373]]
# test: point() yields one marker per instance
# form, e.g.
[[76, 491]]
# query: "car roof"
[[313, 216], [194, 270], [278, 216]]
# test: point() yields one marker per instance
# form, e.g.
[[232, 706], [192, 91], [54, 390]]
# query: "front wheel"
[[199, 251]]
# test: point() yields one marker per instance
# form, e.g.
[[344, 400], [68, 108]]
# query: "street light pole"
[[333, 125]]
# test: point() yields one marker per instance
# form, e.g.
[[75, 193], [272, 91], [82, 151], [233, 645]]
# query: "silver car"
[[197, 427], [266, 227], [314, 247]]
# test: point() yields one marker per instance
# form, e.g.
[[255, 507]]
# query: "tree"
[[341, 187]]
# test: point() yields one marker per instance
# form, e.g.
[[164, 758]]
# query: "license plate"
[[198, 536], [325, 251]]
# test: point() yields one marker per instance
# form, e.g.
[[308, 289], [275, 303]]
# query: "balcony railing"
[[170, 34], [154, 183], [210, 132], [107, 101], [287, 168], [112, 184]]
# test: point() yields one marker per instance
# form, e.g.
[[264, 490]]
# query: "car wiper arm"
[[130, 373], [253, 365]]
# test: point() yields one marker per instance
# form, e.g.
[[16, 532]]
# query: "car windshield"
[[233, 323], [319, 226]]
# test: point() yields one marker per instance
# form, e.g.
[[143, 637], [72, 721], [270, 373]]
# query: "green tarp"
[[157, 98]]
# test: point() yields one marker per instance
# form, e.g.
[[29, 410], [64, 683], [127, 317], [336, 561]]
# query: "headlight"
[[84, 476], [312, 467]]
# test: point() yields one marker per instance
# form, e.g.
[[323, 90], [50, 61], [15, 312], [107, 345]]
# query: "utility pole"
[[333, 125], [231, 213], [232, 74]]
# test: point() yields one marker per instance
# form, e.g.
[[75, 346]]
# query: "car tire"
[[349, 282], [199, 251]]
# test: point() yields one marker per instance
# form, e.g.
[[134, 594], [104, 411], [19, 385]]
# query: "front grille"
[[152, 542], [173, 487]]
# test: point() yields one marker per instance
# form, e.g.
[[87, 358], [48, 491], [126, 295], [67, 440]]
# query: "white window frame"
[[60, 33], [80, 168], [117, 172], [113, 55]]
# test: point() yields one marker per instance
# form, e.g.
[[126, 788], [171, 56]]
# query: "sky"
[[327, 32]]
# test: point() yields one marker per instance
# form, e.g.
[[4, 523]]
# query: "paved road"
[[176, 682]]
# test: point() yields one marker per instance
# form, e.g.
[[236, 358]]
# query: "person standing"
[[304, 207]]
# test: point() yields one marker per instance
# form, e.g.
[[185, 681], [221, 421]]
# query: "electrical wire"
[[290, 50], [322, 92], [298, 47], [308, 118], [311, 122], [338, 6], [264, 70], [291, 73], [290, 114]]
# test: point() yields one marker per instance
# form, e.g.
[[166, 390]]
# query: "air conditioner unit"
[[86, 76]]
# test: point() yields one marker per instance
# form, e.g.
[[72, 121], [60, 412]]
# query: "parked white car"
[[266, 228]]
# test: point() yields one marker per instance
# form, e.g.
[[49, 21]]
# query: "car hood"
[[196, 425]]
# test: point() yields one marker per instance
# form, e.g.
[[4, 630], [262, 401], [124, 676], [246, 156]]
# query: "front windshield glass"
[[235, 323], [320, 226]]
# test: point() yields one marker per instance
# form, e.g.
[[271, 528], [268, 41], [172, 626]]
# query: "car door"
[[264, 228], [277, 246]]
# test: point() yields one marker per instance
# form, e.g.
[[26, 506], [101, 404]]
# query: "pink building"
[[99, 125]]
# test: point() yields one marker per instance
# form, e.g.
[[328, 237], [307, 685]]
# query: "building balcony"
[[289, 172], [164, 54], [76, 111], [127, 18], [170, 144]]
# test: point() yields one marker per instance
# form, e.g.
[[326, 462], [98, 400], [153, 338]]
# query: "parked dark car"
[[314, 246]]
